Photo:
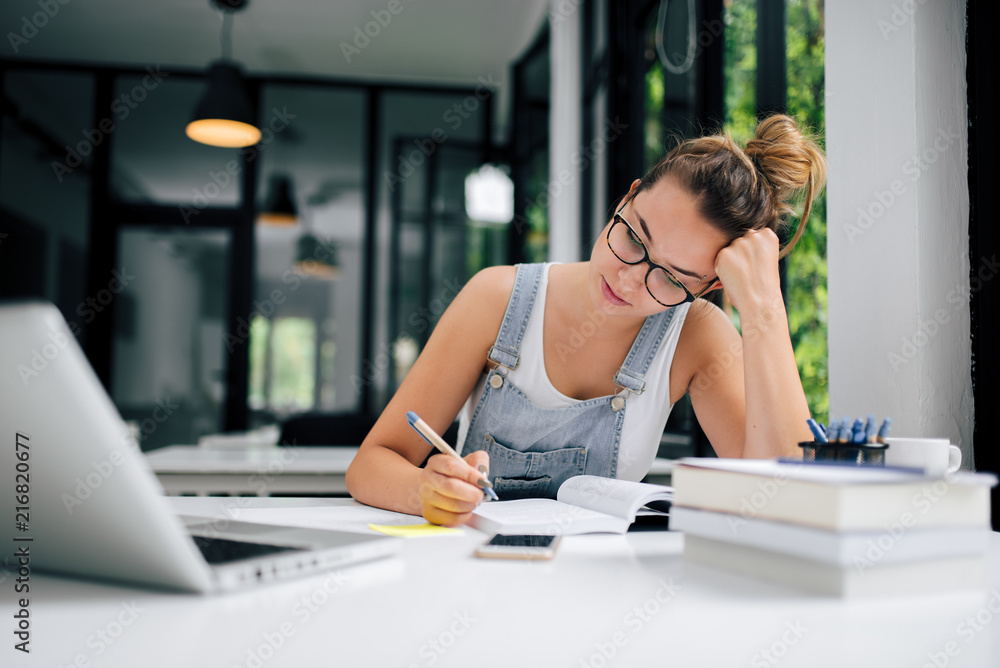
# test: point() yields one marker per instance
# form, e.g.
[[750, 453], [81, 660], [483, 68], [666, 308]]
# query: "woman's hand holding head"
[[748, 269], [448, 488]]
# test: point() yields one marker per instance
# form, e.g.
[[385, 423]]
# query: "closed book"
[[911, 577], [895, 543], [833, 497]]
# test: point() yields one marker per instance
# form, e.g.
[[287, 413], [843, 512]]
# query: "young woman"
[[558, 370]]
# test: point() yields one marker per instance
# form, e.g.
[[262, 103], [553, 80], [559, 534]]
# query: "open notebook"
[[583, 504]]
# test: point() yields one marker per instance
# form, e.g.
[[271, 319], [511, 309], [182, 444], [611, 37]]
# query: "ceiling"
[[439, 41], [430, 42]]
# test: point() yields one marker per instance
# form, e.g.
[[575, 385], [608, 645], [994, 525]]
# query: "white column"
[[898, 211], [564, 132]]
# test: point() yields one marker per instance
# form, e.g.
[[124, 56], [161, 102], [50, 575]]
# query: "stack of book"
[[834, 529]]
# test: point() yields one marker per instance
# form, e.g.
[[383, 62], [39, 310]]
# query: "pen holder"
[[861, 454]]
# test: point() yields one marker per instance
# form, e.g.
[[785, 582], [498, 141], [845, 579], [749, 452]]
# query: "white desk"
[[437, 605], [188, 469]]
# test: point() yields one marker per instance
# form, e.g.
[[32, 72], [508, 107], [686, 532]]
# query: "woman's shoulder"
[[492, 284], [706, 328], [483, 299]]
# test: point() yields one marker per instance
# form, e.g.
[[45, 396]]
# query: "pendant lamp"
[[224, 116], [316, 258], [279, 208]]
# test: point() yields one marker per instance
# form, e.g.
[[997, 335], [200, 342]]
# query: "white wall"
[[898, 211], [564, 133]]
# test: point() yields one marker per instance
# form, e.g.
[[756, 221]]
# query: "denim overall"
[[534, 450]]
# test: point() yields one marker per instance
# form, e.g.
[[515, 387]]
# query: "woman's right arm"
[[386, 471]]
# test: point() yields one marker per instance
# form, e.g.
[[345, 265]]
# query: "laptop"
[[81, 499]]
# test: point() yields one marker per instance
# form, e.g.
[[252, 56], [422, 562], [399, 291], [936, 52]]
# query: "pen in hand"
[[432, 437]]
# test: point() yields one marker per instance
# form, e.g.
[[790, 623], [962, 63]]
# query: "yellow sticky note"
[[413, 530]]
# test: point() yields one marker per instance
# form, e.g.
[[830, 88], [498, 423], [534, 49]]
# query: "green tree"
[[806, 266], [807, 295]]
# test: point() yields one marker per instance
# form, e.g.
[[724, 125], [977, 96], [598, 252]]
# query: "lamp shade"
[[224, 116], [316, 258], [489, 195], [279, 207]]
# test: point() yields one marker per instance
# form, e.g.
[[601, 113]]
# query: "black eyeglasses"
[[661, 285]]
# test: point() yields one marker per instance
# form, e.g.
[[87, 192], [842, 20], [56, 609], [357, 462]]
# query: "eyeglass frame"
[[619, 218]]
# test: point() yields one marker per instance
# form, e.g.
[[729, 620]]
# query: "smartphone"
[[519, 547]]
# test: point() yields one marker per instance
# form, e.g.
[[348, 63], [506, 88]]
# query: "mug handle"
[[954, 458]]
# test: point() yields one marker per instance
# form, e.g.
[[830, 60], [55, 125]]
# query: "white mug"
[[935, 455]]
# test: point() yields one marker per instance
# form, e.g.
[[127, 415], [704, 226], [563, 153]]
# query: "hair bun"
[[787, 160]]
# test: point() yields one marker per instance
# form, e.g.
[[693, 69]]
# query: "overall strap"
[[506, 349], [632, 372]]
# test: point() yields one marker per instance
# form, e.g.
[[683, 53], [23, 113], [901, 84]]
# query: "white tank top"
[[645, 416]]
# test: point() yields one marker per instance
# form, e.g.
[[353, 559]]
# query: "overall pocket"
[[523, 475]]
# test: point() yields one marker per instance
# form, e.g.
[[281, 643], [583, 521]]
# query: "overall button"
[[617, 403], [496, 381]]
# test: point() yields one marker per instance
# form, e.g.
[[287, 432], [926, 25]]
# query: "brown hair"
[[739, 190]]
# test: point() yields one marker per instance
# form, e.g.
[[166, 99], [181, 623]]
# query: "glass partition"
[[46, 160], [170, 342], [307, 311]]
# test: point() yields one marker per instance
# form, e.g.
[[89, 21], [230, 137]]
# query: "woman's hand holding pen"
[[448, 487]]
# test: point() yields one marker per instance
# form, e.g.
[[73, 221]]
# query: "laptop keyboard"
[[223, 550]]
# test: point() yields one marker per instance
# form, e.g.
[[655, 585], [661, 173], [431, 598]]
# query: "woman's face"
[[666, 220]]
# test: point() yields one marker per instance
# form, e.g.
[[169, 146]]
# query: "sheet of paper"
[[413, 530], [342, 518], [535, 512], [621, 498]]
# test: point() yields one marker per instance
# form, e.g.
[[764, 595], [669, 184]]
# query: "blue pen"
[[432, 437], [883, 431], [833, 433], [858, 431], [870, 427], [845, 430], [817, 432]]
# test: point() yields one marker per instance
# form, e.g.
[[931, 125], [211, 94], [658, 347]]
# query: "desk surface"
[[301, 471], [312, 459], [242, 461], [603, 601]]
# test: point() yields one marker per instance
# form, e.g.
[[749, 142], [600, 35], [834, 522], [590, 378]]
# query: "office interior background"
[[405, 145]]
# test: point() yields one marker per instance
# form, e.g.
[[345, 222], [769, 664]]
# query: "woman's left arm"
[[775, 408]]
